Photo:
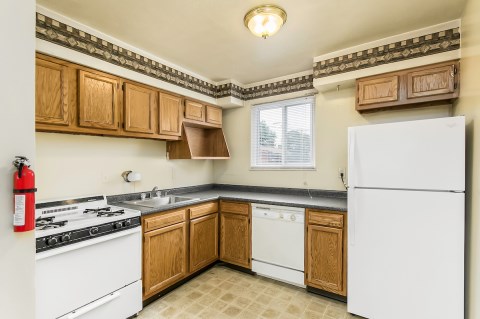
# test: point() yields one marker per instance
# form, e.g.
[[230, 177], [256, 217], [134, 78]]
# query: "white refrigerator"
[[406, 219]]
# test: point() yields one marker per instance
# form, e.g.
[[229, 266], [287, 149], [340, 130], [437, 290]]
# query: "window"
[[282, 134]]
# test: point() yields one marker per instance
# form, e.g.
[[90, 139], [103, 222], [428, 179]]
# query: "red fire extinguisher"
[[24, 195]]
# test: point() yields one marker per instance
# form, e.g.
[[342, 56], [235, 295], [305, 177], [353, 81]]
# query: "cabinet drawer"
[[325, 219], [204, 209], [164, 219], [234, 208]]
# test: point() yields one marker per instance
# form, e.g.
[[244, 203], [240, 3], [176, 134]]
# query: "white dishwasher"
[[278, 242]]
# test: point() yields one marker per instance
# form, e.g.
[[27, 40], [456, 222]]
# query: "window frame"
[[254, 125]]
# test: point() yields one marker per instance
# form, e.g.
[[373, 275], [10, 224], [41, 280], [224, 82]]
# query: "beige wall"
[[469, 105], [17, 250], [77, 165], [334, 113]]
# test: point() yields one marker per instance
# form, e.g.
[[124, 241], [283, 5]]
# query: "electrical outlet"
[[341, 172]]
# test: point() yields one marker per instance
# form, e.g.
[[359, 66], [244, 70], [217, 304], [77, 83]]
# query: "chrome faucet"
[[154, 191]]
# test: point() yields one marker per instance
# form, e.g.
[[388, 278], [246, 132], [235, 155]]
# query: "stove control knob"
[[65, 238], [52, 241], [93, 231], [127, 223], [117, 225], [293, 218]]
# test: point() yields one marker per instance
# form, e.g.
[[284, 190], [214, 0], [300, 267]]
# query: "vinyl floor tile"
[[224, 293]]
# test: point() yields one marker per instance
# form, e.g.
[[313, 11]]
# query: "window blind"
[[282, 134]]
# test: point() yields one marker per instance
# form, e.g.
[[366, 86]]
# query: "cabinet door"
[[98, 101], [431, 81], [325, 258], [203, 241], [164, 258], [170, 112], [51, 93], [377, 90], [235, 239], [214, 115], [194, 111], [139, 104]]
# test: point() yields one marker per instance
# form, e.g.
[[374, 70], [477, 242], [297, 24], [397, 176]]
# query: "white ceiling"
[[208, 36]]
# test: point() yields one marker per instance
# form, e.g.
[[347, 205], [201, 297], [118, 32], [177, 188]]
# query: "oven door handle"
[[91, 306], [85, 243]]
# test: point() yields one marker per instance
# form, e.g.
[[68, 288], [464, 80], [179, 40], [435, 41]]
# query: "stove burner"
[[104, 212], [47, 223], [97, 210], [109, 214]]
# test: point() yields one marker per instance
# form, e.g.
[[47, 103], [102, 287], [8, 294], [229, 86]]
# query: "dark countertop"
[[327, 200]]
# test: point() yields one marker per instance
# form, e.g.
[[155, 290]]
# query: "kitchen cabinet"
[[434, 84], [170, 113], [326, 251], [213, 115], [194, 111], [165, 249], [51, 93], [235, 233], [201, 115], [203, 235], [98, 101], [199, 143], [139, 108]]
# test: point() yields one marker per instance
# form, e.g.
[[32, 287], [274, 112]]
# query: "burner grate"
[[110, 213], [47, 223]]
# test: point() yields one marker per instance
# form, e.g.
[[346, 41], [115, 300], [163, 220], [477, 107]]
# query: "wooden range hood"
[[199, 142]]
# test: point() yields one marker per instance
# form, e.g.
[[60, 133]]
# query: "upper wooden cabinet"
[[213, 115], [202, 115], [139, 108], [51, 93], [431, 81], [326, 253], [194, 111], [170, 112], [378, 90], [427, 85], [98, 101]]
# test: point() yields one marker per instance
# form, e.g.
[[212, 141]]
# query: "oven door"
[[73, 276]]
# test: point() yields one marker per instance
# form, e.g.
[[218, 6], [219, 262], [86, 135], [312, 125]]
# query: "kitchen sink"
[[159, 201]]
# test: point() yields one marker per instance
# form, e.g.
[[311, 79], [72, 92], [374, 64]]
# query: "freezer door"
[[427, 154], [406, 254]]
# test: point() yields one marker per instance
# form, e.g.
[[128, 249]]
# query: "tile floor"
[[225, 293]]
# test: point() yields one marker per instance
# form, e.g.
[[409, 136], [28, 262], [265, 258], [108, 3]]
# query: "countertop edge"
[[146, 211]]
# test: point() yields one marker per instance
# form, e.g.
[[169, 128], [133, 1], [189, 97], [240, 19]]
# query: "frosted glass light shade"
[[265, 21]]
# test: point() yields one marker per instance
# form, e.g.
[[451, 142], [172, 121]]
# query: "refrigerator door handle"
[[351, 216]]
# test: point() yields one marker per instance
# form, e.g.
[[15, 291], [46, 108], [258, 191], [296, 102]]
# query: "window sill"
[[283, 169]]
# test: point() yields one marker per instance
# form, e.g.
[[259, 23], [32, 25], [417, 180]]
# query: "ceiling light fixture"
[[264, 21]]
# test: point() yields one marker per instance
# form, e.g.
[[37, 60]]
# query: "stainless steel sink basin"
[[159, 201]]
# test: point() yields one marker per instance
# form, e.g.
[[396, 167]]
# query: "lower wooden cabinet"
[[164, 258], [203, 241], [235, 233], [326, 251]]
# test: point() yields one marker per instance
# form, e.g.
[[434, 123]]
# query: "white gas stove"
[[94, 248]]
